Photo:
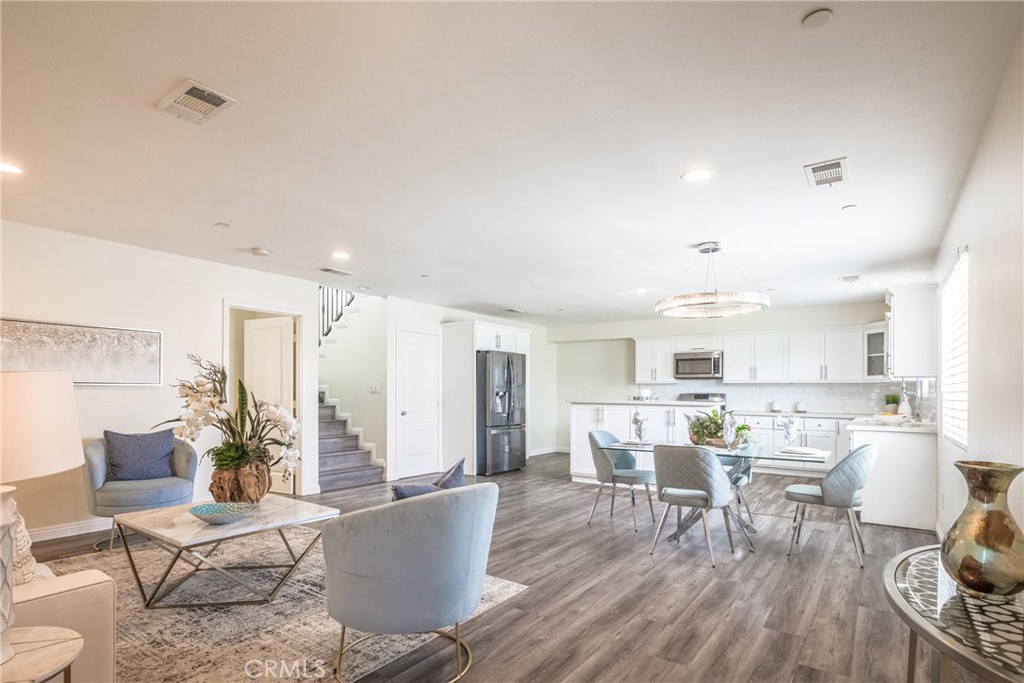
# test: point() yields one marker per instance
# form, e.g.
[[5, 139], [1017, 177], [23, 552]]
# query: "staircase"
[[343, 464]]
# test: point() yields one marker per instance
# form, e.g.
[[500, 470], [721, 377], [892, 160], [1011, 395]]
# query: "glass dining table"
[[737, 461]]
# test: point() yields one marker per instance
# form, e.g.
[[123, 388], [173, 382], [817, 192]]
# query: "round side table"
[[983, 635], [40, 653]]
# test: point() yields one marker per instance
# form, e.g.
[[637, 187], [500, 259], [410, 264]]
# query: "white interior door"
[[417, 403], [269, 372]]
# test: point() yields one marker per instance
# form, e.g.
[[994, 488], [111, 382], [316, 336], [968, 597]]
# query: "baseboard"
[[939, 533], [541, 451], [562, 449], [49, 533]]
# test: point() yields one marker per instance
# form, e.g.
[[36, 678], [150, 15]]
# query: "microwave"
[[698, 365]]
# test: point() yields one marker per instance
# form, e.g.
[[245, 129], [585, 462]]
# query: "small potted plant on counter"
[[892, 402]]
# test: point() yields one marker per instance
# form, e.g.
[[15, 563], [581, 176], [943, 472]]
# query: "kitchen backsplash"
[[853, 399]]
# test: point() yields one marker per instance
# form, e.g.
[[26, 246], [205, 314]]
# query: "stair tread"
[[336, 469]]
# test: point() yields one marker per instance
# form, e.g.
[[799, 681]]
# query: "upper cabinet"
[[913, 331], [490, 337], [655, 361], [691, 344], [755, 357], [826, 355], [876, 351]]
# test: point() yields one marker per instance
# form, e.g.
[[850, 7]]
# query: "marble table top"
[[40, 653], [177, 528]]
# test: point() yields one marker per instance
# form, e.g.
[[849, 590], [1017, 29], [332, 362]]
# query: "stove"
[[703, 400]]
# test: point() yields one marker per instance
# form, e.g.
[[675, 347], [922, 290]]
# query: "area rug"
[[292, 638]]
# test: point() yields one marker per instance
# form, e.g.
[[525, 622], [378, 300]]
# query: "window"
[[953, 352]]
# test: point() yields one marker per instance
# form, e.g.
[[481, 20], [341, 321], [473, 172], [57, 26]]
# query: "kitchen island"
[[901, 486]]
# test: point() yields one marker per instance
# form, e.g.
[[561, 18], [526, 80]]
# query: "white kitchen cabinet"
[[690, 344], [901, 486], [490, 337], [585, 418], [754, 357], [654, 360], [913, 331], [826, 355], [876, 351], [806, 356], [738, 358]]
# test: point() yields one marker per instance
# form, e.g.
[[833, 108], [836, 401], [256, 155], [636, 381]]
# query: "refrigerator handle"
[[511, 384]]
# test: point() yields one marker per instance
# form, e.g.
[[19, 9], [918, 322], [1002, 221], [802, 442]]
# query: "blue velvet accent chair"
[[411, 566], [840, 488], [617, 467], [106, 498], [693, 477]]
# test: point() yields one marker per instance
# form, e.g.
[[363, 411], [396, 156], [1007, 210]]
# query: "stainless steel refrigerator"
[[501, 411]]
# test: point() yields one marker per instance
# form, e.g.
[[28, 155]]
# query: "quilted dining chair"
[[411, 566], [840, 488], [614, 468], [693, 477]]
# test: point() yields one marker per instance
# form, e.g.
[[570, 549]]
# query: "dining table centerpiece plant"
[[710, 429], [249, 433]]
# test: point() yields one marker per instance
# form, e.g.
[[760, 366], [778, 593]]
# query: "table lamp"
[[40, 436]]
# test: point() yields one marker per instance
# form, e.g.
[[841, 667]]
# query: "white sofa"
[[82, 601]]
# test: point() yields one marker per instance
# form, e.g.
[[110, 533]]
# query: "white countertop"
[[785, 413], [869, 424], [653, 402]]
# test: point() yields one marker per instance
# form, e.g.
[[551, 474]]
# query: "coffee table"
[[186, 538]]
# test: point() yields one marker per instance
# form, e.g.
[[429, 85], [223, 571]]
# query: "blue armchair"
[[107, 498]]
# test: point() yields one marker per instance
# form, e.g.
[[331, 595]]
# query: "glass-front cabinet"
[[876, 352]]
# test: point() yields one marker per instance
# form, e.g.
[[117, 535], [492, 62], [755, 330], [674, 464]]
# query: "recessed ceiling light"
[[259, 251], [9, 168], [817, 18], [770, 289], [849, 278], [222, 226], [696, 175], [363, 288], [425, 275], [849, 206], [340, 255]]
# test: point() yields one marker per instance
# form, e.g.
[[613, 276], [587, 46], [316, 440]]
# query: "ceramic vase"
[[245, 484], [984, 549]]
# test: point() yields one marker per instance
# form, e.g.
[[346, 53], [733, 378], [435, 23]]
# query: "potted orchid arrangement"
[[242, 461]]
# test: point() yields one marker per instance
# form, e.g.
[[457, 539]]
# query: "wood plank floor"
[[600, 608]]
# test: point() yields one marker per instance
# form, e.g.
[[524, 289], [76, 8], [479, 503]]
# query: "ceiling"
[[509, 155]]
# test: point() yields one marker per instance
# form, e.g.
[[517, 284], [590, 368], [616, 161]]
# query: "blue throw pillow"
[[403, 491], [454, 477], [139, 456]]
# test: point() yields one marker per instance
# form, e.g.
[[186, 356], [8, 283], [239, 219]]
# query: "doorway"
[[261, 350], [417, 404]]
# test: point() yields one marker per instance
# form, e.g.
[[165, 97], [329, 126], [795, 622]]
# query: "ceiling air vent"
[[826, 172], [194, 102], [334, 271]]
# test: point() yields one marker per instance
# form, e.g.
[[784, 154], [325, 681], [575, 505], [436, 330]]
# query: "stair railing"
[[332, 307]]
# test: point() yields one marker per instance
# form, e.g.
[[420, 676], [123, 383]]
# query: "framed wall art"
[[94, 355]]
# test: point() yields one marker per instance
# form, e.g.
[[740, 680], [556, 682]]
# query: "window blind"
[[953, 315]]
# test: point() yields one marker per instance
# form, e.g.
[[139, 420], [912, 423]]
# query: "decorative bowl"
[[891, 419], [220, 513]]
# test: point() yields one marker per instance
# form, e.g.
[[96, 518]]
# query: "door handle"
[[403, 412]]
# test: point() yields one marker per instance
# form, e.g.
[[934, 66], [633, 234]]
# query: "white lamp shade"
[[39, 429]]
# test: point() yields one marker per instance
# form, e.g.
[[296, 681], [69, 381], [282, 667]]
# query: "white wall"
[[353, 357], [989, 218], [59, 277], [772, 319]]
